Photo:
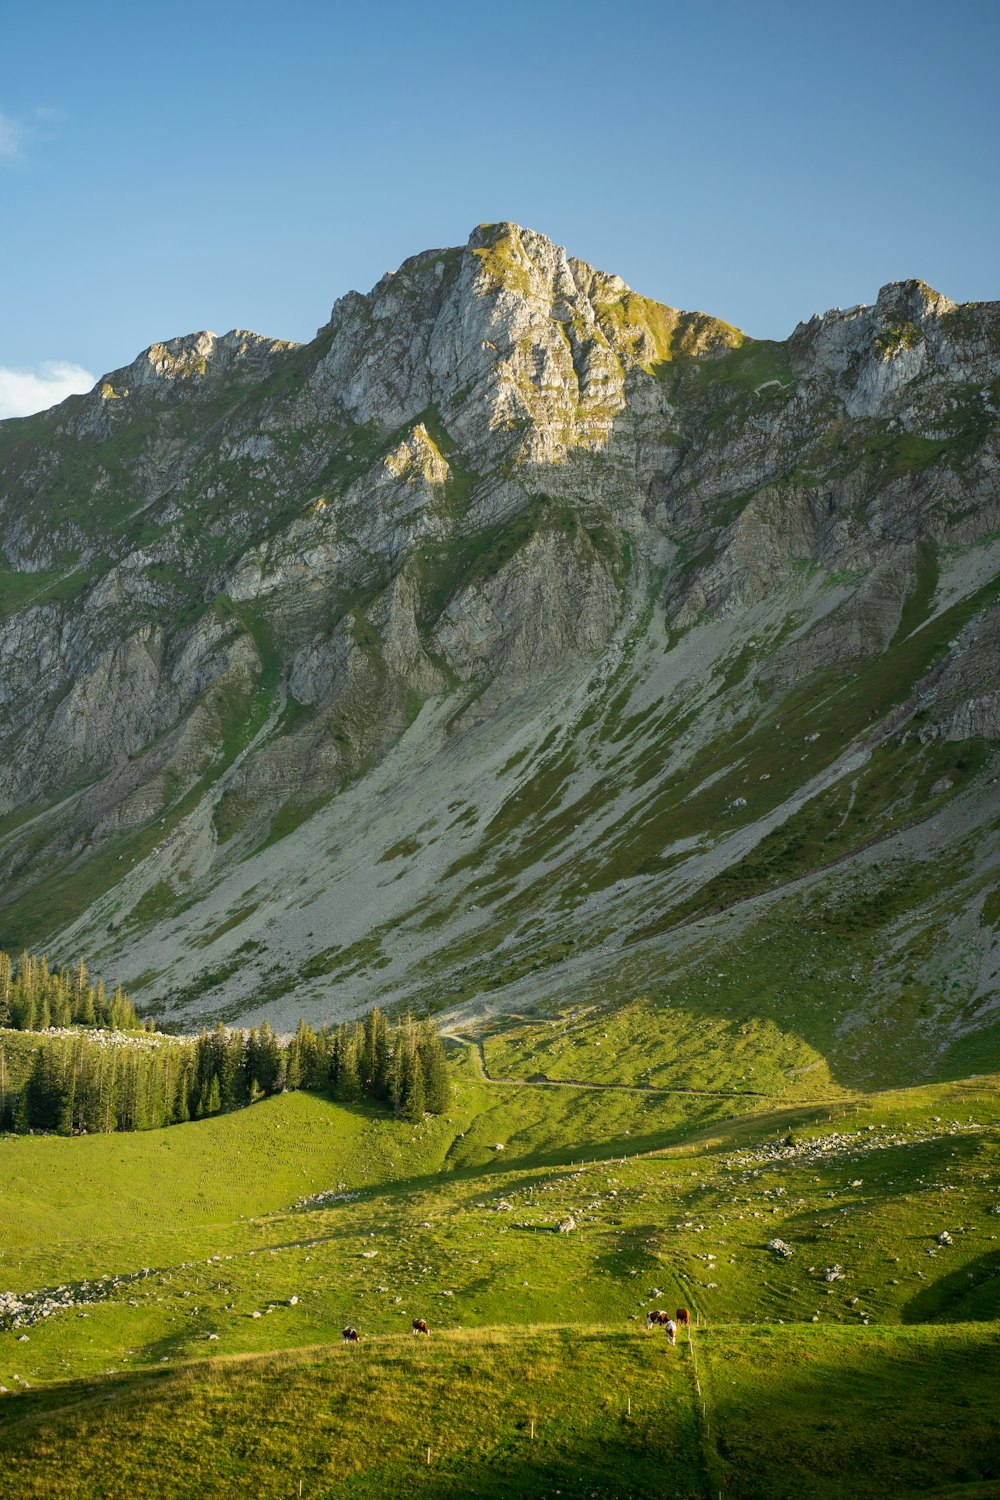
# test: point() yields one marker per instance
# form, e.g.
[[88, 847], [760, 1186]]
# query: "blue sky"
[[170, 167]]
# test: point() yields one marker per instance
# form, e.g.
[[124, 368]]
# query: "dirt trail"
[[485, 1076]]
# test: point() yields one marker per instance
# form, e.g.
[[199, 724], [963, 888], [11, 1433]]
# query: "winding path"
[[485, 1076]]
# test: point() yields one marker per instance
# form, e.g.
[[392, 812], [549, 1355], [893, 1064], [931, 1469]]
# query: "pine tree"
[[234, 1081], [266, 1063], [67, 1093], [6, 974], [414, 1101], [377, 1054], [437, 1088], [83, 997], [320, 1075], [349, 1048], [297, 1056], [406, 1075], [62, 1011]]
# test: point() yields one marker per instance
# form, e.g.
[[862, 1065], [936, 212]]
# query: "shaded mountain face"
[[520, 641]]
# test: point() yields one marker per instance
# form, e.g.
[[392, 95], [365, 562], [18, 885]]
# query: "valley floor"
[[173, 1300]]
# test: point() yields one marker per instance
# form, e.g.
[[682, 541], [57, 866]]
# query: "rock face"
[[337, 648]]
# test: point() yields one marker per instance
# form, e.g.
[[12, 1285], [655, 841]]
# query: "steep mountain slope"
[[518, 643]]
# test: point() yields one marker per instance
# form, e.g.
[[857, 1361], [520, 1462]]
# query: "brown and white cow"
[[419, 1326], [661, 1319], [351, 1335]]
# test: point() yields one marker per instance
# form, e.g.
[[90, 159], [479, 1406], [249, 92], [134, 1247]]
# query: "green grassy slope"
[[539, 1412], [359, 1421], [195, 1256]]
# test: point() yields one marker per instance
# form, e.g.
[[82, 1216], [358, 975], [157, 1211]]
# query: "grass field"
[[198, 1278], [360, 1421], [777, 1412]]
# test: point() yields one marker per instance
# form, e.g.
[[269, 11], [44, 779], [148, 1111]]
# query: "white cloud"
[[11, 135], [23, 392]]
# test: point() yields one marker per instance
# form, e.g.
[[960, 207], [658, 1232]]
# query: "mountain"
[[523, 645]]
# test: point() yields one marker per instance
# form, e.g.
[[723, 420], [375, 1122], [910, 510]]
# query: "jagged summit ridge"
[[871, 353], [525, 351]]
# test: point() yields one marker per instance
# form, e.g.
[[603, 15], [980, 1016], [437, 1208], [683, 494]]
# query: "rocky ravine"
[[499, 630]]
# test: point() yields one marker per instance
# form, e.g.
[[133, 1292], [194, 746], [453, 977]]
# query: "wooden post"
[[428, 1455], [532, 1429], [630, 1406]]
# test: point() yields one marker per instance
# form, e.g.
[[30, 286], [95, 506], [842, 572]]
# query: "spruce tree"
[[348, 1085], [414, 1101], [437, 1088], [213, 1100], [266, 1059], [6, 975]]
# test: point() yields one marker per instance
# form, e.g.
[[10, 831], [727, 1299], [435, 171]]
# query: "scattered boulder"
[[780, 1248], [944, 1238]]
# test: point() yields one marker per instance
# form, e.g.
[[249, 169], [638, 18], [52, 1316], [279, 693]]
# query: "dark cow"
[[419, 1326], [683, 1317], [351, 1335]]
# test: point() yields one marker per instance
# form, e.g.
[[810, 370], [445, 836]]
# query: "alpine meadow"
[[499, 831]]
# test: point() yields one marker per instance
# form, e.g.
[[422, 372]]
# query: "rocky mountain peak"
[[193, 358], [872, 353], [913, 300], [524, 350]]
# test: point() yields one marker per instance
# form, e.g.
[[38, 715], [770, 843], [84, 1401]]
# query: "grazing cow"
[[683, 1317], [351, 1335], [419, 1326], [657, 1319]]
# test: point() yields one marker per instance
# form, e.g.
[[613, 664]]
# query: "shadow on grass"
[[971, 1292], [606, 1466], [813, 1417]]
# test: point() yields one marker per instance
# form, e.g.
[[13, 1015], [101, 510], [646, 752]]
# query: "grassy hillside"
[[196, 1278], [540, 1412]]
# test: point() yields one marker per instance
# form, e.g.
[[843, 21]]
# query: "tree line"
[[85, 1082], [33, 997]]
